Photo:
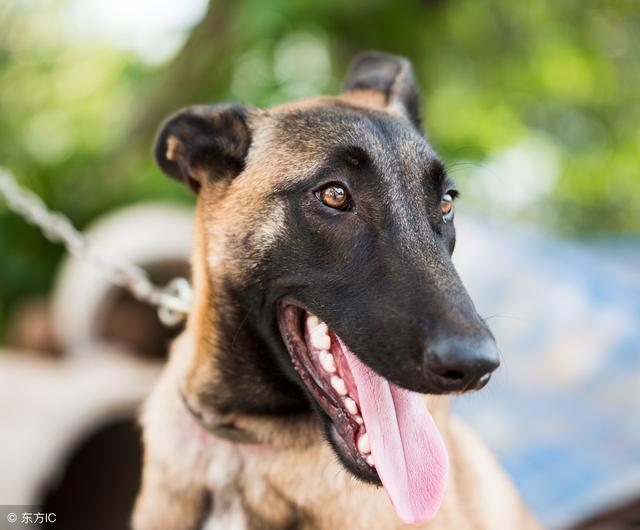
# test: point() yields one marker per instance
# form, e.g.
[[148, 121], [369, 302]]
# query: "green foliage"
[[534, 105]]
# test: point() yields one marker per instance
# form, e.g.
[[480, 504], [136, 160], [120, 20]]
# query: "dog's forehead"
[[305, 135]]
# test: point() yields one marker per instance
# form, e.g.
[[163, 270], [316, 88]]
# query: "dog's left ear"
[[204, 143], [388, 75]]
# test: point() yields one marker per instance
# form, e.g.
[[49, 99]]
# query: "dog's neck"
[[229, 366], [197, 357]]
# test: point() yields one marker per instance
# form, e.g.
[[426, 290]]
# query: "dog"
[[309, 387]]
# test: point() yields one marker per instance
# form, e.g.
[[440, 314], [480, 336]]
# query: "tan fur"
[[292, 480]]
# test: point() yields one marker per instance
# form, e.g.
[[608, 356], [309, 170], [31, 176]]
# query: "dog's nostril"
[[454, 375]]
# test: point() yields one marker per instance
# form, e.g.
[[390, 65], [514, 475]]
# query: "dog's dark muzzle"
[[423, 334]]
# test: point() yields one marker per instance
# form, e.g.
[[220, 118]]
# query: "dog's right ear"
[[204, 143], [389, 75]]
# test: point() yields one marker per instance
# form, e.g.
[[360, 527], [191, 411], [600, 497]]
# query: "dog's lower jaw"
[[194, 480]]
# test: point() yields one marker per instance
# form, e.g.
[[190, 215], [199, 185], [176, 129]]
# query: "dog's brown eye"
[[334, 196], [446, 207]]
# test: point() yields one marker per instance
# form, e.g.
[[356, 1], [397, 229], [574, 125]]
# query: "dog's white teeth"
[[370, 460], [320, 339], [327, 362], [338, 385], [363, 444], [312, 321], [351, 406]]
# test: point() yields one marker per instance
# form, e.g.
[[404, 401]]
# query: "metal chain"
[[173, 300]]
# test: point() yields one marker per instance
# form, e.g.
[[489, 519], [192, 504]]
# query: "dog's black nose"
[[457, 364]]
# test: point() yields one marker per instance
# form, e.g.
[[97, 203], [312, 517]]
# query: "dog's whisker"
[[503, 315], [237, 333]]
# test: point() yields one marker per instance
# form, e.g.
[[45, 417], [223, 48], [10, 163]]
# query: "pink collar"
[[228, 431]]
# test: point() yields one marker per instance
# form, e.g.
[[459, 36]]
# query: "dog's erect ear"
[[204, 142], [390, 75]]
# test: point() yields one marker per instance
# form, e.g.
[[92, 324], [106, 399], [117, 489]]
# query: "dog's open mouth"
[[381, 432]]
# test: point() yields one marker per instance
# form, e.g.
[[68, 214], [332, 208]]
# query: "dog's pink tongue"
[[407, 448]]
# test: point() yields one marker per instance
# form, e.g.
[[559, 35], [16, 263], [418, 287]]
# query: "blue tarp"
[[563, 412]]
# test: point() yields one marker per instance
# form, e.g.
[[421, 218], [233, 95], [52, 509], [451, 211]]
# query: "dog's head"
[[323, 271]]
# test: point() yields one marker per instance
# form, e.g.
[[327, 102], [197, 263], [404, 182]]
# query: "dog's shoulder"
[[480, 494]]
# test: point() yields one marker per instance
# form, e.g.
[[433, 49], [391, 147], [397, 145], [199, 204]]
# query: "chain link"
[[173, 300]]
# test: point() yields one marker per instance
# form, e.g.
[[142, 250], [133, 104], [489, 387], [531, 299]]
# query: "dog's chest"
[[244, 497], [307, 490]]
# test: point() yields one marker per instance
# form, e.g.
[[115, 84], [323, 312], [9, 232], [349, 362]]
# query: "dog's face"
[[326, 230]]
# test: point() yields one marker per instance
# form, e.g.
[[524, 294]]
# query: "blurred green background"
[[533, 105]]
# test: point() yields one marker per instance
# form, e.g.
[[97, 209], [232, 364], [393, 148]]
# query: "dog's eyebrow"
[[437, 171], [437, 174], [354, 155], [336, 159]]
